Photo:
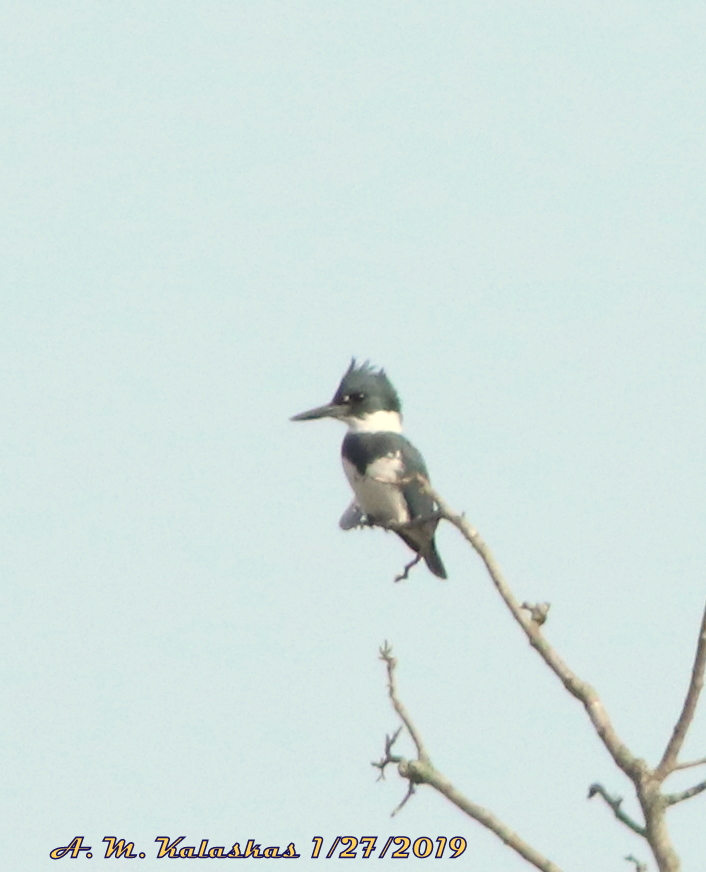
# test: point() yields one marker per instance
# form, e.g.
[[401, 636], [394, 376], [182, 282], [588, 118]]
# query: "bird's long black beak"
[[330, 410]]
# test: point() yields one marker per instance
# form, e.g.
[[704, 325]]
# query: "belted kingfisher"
[[379, 462]]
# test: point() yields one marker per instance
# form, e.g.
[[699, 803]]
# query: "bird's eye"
[[358, 398]]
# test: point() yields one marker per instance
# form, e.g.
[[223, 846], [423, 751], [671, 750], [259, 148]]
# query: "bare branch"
[[615, 803], [674, 798], [491, 822], [633, 767], [669, 758], [639, 867], [647, 781], [422, 771]]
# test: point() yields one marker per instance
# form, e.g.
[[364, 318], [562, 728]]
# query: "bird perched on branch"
[[382, 466]]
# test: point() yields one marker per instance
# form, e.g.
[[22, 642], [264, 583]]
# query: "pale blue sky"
[[208, 208]]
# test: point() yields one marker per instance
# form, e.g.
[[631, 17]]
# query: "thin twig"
[[615, 802], [390, 663], [388, 757], [693, 763], [669, 758], [411, 788]]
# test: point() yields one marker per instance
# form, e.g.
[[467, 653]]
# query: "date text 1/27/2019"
[[396, 847]]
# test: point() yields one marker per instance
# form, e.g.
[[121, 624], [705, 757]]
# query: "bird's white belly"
[[376, 492]]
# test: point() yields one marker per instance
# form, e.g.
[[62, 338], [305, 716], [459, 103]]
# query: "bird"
[[380, 463]]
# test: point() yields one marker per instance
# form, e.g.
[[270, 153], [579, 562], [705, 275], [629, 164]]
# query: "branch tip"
[[410, 792]]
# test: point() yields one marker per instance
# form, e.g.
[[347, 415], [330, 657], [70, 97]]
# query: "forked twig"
[[422, 771]]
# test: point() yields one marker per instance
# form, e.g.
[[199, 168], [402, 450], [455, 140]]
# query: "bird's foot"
[[403, 576]]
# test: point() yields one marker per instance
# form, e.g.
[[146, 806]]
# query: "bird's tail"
[[422, 541], [433, 561]]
